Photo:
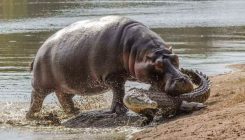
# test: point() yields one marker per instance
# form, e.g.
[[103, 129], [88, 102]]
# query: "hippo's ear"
[[171, 49], [174, 60]]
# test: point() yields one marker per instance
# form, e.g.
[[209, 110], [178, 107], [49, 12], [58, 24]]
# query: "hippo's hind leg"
[[67, 103], [37, 98]]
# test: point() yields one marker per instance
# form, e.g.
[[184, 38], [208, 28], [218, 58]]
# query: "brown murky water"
[[207, 35]]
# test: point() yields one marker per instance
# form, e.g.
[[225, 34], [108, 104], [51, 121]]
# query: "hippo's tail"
[[31, 65]]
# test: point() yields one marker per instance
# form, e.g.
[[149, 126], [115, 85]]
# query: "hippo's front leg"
[[117, 105], [118, 91]]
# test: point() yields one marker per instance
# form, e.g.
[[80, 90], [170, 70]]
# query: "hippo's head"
[[161, 69]]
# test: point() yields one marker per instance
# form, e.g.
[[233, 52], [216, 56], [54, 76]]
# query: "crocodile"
[[151, 103]]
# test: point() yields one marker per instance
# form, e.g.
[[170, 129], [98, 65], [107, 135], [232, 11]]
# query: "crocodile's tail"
[[202, 92]]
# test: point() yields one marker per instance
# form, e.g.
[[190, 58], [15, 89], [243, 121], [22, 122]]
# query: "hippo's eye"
[[175, 63], [165, 56], [158, 53], [174, 60]]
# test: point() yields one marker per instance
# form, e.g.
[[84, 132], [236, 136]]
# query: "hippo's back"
[[82, 52]]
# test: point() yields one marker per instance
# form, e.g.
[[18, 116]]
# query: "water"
[[30, 15], [207, 35]]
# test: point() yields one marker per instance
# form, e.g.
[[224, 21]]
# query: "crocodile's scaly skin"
[[142, 101]]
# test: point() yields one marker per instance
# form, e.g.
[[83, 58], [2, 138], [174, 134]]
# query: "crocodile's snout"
[[139, 100], [147, 103]]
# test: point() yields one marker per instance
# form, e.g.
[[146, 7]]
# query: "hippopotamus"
[[91, 56]]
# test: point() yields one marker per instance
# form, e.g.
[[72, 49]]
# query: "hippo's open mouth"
[[179, 85]]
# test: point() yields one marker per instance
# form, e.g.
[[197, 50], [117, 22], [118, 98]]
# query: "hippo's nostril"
[[181, 79]]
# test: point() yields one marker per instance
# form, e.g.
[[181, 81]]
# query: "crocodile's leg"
[[146, 120], [191, 106], [148, 117]]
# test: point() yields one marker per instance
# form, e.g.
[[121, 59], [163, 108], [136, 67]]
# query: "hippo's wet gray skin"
[[91, 56]]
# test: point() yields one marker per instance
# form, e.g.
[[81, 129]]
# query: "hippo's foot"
[[31, 116], [191, 106], [72, 111], [118, 108], [50, 119], [34, 116]]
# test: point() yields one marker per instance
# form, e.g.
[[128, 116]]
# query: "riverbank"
[[222, 119]]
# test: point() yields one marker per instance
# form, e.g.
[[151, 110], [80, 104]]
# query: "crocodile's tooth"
[[201, 73], [190, 72], [197, 71], [193, 71], [207, 78]]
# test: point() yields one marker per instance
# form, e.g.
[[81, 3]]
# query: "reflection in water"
[[18, 9], [13, 9], [17, 50], [208, 49], [49, 15]]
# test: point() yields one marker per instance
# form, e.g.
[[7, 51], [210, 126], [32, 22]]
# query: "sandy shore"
[[224, 117]]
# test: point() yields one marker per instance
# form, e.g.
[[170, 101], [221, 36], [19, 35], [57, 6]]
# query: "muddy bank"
[[223, 118]]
